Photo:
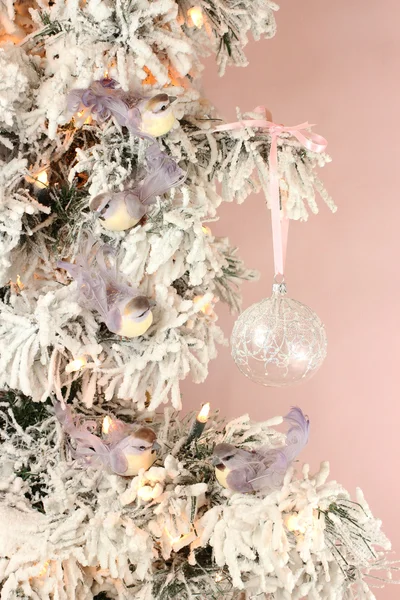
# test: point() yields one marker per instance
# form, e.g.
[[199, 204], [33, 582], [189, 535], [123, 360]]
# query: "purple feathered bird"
[[261, 469], [122, 308], [122, 210], [145, 117], [127, 450]]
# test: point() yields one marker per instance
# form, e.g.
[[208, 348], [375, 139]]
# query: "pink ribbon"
[[308, 139]]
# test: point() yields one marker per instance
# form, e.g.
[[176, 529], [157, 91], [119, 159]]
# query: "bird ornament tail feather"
[[89, 448], [101, 100], [92, 279], [163, 173], [280, 459], [297, 435]]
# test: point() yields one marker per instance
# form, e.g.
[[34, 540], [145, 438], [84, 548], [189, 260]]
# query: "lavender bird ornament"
[[122, 210], [125, 451], [122, 308], [145, 117], [261, 469]]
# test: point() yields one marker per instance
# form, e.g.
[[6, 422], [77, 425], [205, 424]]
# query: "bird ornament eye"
[[142, 448], [229, 457], [105, 208], [164, 107]]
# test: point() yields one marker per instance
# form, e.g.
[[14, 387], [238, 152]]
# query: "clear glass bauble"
[[278, 341]]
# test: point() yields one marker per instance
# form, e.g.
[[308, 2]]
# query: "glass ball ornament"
[[278, 341]]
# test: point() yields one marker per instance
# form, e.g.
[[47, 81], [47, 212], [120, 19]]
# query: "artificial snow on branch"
[[172, 529]]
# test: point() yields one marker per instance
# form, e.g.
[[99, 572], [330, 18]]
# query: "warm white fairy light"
[[41, 180], [76, 365], [199, 424], [82, 114], [43, 570], [172, 539], [293, 523], [146, 492], [204, 303], [203, 415], [196, 16], [17, 286], [206, 230], [107, 424]]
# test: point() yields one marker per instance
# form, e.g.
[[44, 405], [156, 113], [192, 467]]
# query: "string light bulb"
[[199, 424], [107, 424], [43, 571], [40, 180], [293, 523], [196, 16], [204, 413], [145, 492], [204, 303], [172, 539], [76, 365], [17, 286], [80, 115], [206, 230], [19, 283]]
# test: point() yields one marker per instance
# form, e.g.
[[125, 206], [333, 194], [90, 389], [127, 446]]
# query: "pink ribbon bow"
[[308, 139]]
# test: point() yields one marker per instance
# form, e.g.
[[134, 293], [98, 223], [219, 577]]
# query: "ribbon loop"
[[311, 141]]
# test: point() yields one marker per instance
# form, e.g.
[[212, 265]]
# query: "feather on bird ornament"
[[125, 451], [123, 210], [122, 308], [261, 469]]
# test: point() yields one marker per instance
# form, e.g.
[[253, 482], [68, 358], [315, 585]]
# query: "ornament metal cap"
[[279, 289]]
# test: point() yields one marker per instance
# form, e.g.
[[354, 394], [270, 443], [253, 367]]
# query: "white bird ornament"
[[122, 210], [261, 469], [125, 451], [145, 117], [123, 309]]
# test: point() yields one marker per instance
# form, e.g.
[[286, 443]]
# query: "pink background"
[[335, 64]]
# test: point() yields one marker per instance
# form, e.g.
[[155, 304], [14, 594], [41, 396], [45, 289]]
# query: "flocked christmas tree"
[[110, 165]]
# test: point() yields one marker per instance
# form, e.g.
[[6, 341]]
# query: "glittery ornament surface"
[[278, 341]]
